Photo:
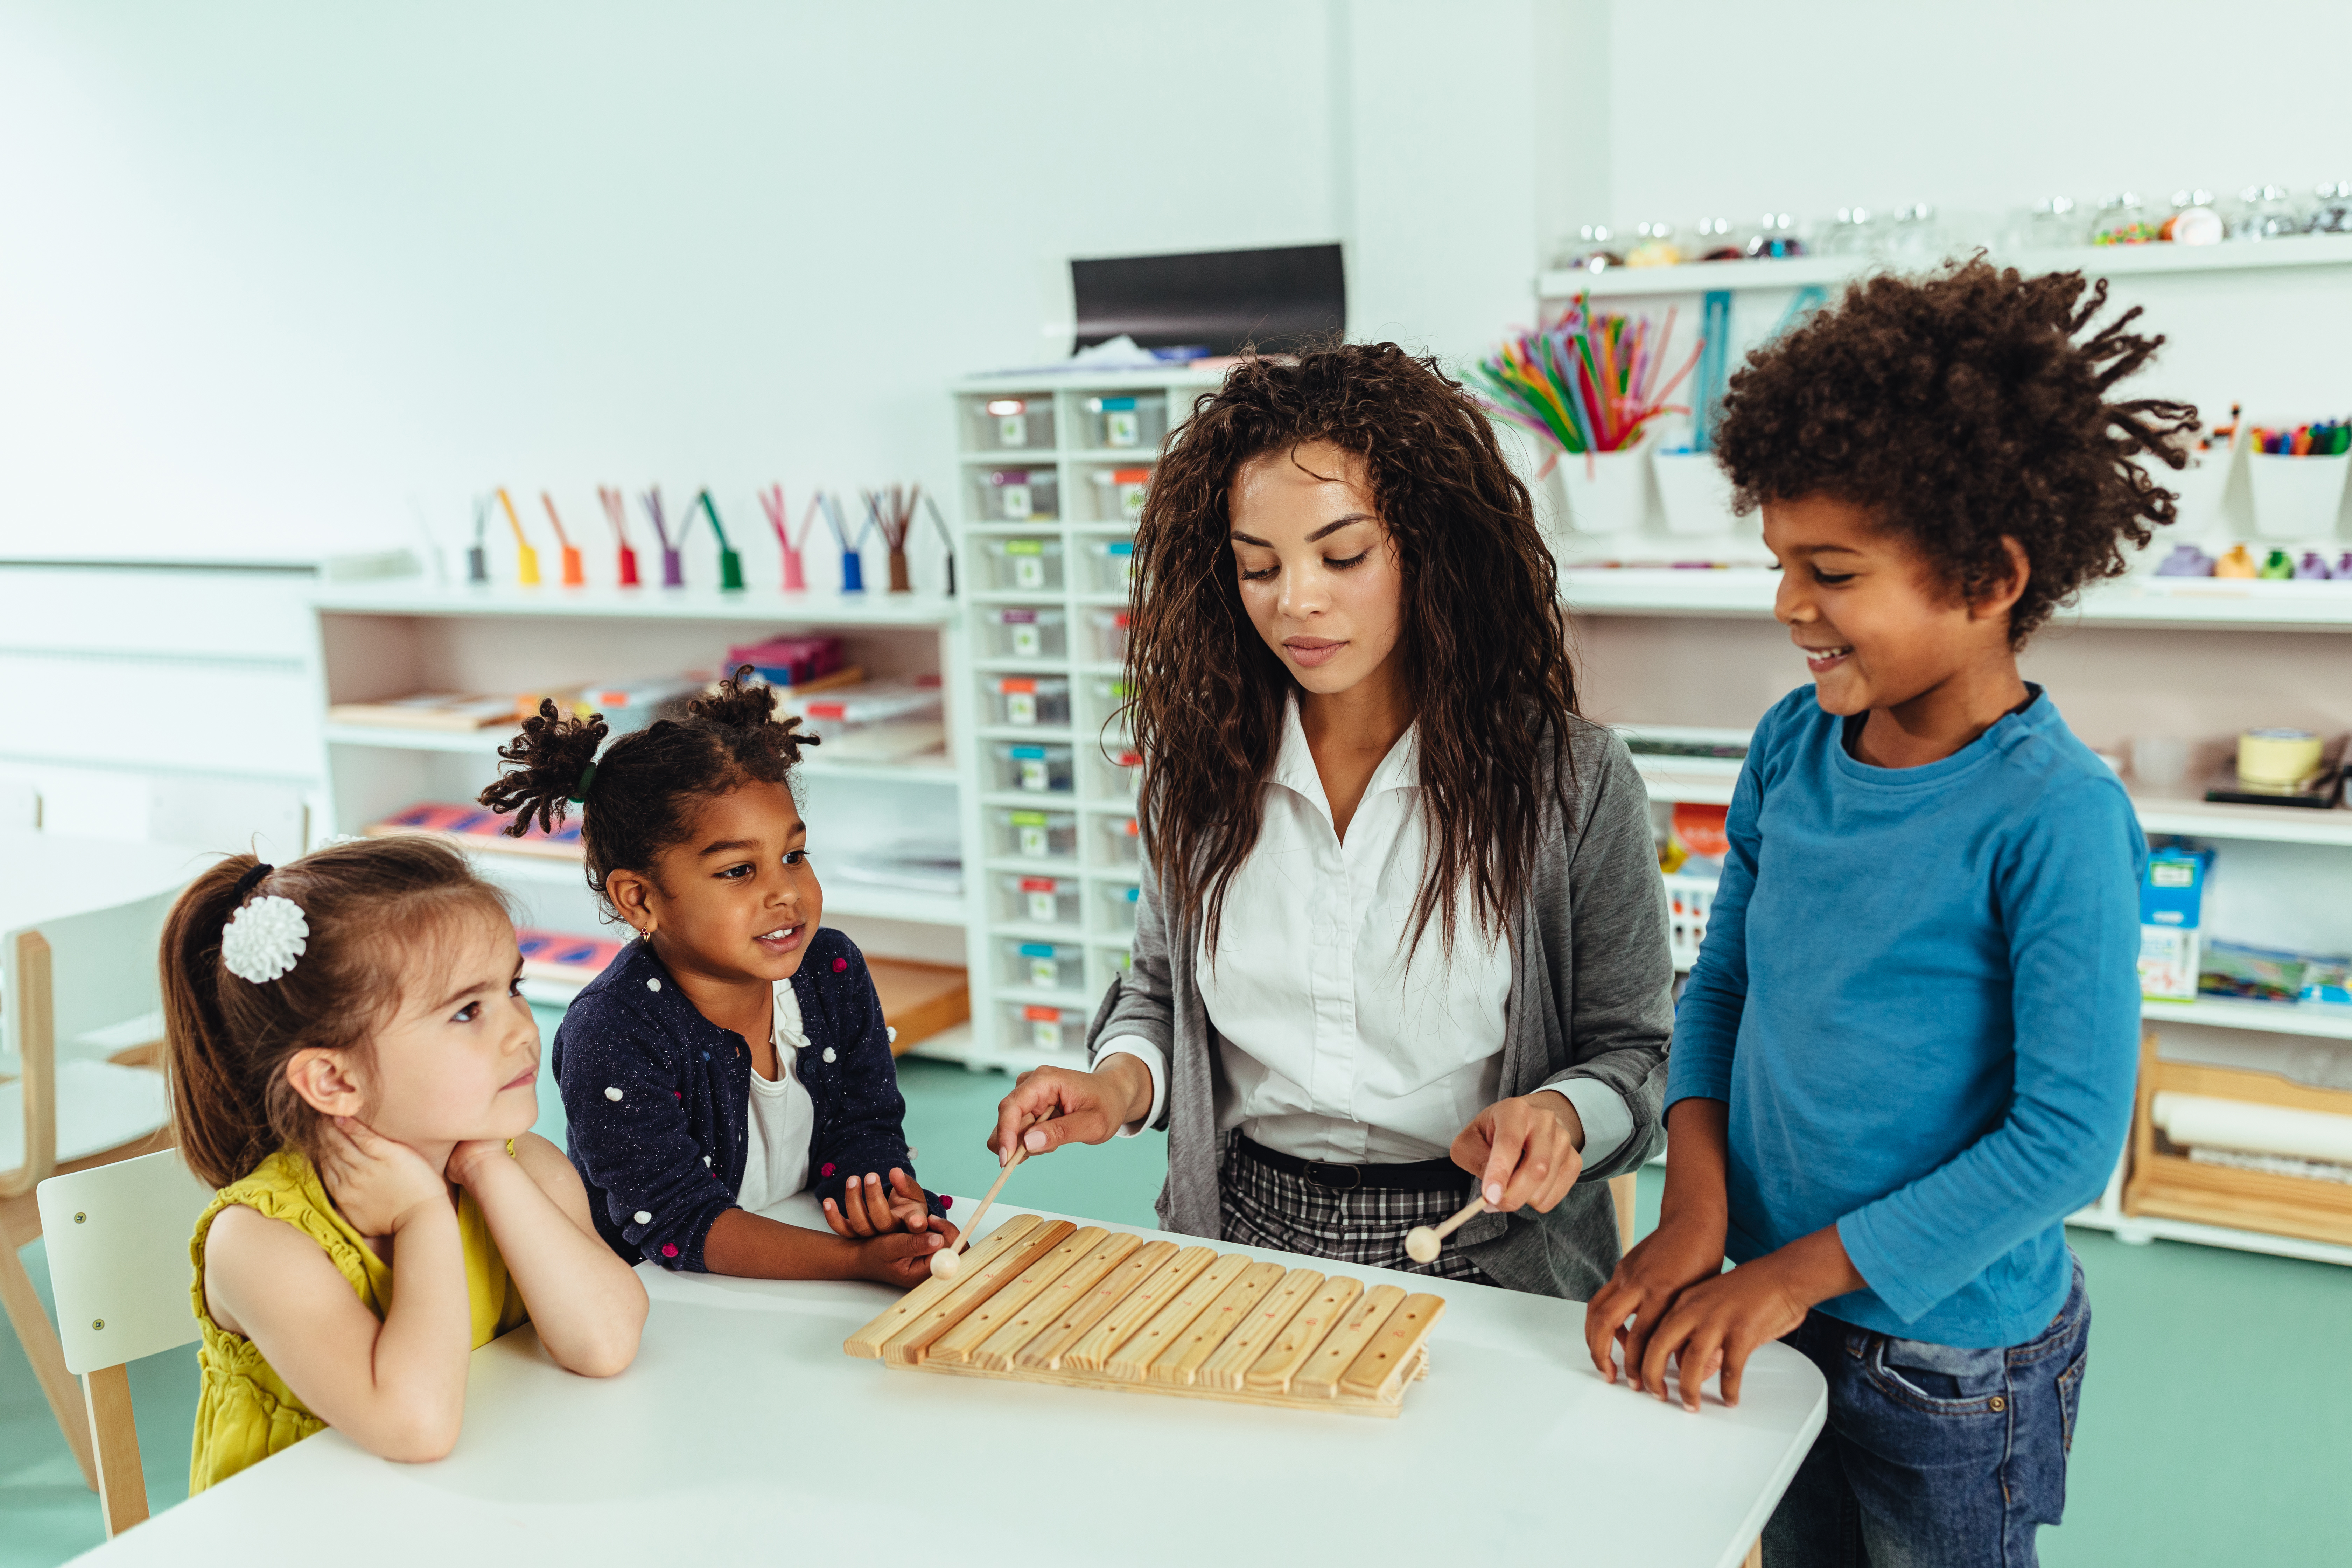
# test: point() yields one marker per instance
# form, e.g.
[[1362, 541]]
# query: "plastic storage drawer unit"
[[1036, 835], [1039, 900], [1027, 701], [1034, 770], [1112, 563], [1119, 909], [1022, 424], [1054, 1031], [1045, 965], [1122, 840], [1125, 423], [1024, 565], [1111, 635], [1120, 492], [1019, 495], [1019, 632]]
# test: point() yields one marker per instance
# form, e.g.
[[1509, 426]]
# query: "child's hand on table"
[[375, 1181], [870, 1208], [1663, 1264], [1715, 1325]]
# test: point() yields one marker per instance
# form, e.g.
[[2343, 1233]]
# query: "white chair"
[[119, 1266], [80, 1048]]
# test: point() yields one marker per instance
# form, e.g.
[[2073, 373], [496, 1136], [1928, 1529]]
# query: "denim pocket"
[[2069, 1399], [1943, 1380]]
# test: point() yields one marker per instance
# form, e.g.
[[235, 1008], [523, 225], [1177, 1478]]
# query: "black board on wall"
[[1217, 299]]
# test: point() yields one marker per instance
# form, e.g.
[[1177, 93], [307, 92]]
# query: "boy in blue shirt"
[[1908, 1050]]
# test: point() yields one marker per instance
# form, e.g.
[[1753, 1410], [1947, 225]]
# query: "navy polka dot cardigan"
[[659, 1097]]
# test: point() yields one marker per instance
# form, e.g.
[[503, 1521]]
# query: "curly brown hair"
[[1960, 408], [1483, 647], [640, 798]]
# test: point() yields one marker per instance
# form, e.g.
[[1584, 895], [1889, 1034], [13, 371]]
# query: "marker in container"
[[616, 512], [525, 558]]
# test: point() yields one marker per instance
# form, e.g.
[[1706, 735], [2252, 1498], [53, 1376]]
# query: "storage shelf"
[[1044, 734], [2266, 1017], [1031, 997], [416, 597], [841, 897], [930, 769], [1031, 930], [1747, 591], [1804, 271], [2135, 1228], [1014, 866], [1031, 800]]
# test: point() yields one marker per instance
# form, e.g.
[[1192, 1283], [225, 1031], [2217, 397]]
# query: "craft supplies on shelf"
[[442, 711], [2171, 920], [876, 721], [2298, 477], [625, 705], [852, 568], [575, 574], [1049, 1301], [563, 958], [616, 512], [789, 545], [1027, 701], [1590, 385], [672, 551], [471, 827], [2185, 1107], [1023, 632], [790, 661], [1035, 835], [525, 558], [1024, 565], [1008, 423], [891, 514]]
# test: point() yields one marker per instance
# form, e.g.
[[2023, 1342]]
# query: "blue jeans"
[[1933, 1456]]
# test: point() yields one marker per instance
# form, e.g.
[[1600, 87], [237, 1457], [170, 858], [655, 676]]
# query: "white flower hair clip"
[[262, 940]]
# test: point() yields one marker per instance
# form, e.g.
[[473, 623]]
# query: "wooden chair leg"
[[1754, 1558], [121, 1480], [1620, 1192], [39, 1337]]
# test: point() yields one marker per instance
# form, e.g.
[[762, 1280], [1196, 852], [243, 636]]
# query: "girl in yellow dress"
[[353, 1065]]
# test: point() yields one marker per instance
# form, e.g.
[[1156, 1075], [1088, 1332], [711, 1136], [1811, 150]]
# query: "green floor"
[[2217, 1414]]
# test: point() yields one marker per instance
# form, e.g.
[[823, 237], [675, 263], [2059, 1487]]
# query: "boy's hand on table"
[[1083, 1107], [1718, 1324], [902, 1258], [869, 1207], [1525, 1151], [1663, 1264]]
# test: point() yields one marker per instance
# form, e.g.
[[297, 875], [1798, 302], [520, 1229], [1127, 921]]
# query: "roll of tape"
[[2277, 756]]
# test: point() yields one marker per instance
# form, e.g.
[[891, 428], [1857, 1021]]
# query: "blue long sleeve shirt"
[[1919, 995]]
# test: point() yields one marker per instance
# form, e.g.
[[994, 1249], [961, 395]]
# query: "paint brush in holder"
[[730, 565], [616, 512], [574, 574], [478, 555], [946, 540], [771, 501], [891, 513], [525, 558], [672, 556], [853, 570]]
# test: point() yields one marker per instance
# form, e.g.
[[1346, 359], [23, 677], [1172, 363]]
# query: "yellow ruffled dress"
[[246, 1412]]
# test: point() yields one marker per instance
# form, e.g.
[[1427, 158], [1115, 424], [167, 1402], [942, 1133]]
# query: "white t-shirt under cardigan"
[[783, 1117], [1334, 1047]]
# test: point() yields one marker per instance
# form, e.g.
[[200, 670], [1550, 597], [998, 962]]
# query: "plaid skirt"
[[1261, 1206]]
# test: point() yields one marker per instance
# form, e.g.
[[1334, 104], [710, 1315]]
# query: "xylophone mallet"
[[946, 1261], [1422, 1242]]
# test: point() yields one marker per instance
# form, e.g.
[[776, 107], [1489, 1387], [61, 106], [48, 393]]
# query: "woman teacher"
[[1402, 936]]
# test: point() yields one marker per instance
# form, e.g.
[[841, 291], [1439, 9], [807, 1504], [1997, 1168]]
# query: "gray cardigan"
[[1591, 996]]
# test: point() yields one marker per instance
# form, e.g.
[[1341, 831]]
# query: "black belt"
[[1415, 1177]]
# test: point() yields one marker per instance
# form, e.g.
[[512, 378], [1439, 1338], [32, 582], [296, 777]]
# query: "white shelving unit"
[[380, 639], [1045, 578]]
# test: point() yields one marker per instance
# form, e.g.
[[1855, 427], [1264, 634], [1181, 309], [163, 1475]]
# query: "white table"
[[744, 1433]]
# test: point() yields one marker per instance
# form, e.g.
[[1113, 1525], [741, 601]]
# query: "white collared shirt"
[[1336, 1048], [783, 1116]]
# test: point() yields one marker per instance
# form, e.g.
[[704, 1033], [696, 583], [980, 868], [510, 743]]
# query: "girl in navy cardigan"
[[734, 1053]]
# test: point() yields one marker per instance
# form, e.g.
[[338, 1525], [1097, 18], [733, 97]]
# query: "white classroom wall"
[[283, 280]]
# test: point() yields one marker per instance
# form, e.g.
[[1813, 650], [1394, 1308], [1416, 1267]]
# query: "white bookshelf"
[[1076, 584], [385, 638]]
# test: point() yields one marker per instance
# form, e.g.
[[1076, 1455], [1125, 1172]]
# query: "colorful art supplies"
[[2312, 568], [471, 827], [2278, 566], [2326, 438], [439, 711], [478, 555], [574, 574], [2236, 563], [616, 512], [771, 501], [525, 558], [1714, 367], [625, 705], [879, 721], [891, 513], [673, 554], [1589, 384], [560, 957], [2186, 561], [789, 661], [853, 570], [730, 565], [947, 539]]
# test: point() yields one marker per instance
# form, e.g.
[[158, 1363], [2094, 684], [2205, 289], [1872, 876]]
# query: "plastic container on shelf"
[[1118, 909], [1607, 492], [1039, 900], [1120, 768], [843, 708], [1110, 634], [1127, 423], [1110, 706], [1121, 838], [2200, 488], [1017, 495], [1119, 493], [1026, 700], [1025, 631], [1111, 565], [2297, 498], [1692, 490], [1033, 770], [1043, 965], [1015, 422], [1053, 1031], [1688, 898], [1036, 835], [1024, 565]]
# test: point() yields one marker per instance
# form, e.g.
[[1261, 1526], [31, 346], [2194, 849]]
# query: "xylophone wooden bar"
[[1052, 1302]]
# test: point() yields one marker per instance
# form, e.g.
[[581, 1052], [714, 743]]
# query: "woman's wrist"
[[1126, 1090]]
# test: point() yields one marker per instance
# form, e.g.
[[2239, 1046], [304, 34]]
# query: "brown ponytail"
[[644, 790], [369, 905]]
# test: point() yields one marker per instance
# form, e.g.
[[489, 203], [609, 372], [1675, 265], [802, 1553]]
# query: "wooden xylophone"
[[1050, 1302]]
